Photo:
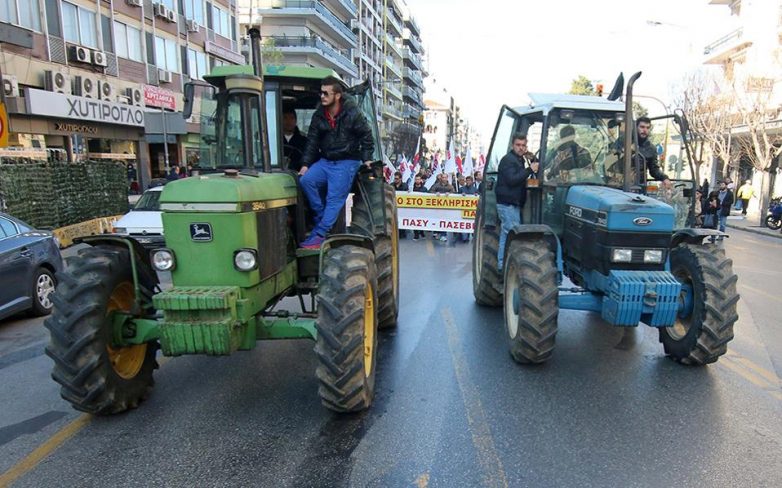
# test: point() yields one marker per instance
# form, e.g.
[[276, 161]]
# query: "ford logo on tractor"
[[642, 221]]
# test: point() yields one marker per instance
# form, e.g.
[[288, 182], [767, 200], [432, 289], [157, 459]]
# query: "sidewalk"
[[750, 224]]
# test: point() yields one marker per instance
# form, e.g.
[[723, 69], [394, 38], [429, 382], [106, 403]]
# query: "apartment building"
[[94, 79]]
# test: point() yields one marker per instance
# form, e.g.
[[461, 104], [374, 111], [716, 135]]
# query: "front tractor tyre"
[[347, 324], [486, 279], [531, 300], [705, 325], [95, 375]]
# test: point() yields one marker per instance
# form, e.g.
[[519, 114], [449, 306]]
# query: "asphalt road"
[[452, 409]]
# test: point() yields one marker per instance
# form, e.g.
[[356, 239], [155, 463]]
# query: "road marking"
[[49, 446], [429, 247], [493, 471], [422, 481], [761, 292], [770, 388], [770, 376], [44, 450]]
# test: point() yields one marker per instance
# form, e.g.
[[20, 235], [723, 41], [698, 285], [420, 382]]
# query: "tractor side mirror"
[[187, 111]]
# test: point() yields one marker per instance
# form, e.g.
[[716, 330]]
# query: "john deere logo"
[[642, 221], [201, 232]]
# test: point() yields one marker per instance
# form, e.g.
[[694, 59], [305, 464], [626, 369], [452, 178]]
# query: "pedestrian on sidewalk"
[[725, 197], [698, 208], [710, 218], [745, 193]]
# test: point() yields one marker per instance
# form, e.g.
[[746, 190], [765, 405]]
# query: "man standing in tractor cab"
[[511, 190], [293, 141], [568, 155], [643, 127], [339, 139]]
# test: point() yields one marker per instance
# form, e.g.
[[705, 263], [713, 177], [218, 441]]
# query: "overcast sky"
[[490, 52]]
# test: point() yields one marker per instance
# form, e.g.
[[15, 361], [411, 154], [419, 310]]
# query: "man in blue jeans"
[[511, 190], [338, 140]]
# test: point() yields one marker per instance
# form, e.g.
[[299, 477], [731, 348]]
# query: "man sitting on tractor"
[[338, 140], [568, 155]]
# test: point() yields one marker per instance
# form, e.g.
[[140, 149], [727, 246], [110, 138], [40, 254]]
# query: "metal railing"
[[414, 58], [317, 43], [393, 90], [414, 43], [348, 5], [735, 35], [392, 43], [413, 25], [415, 76], [394, 22], [319, 7]]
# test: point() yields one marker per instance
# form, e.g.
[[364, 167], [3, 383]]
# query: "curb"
[[756, 231]]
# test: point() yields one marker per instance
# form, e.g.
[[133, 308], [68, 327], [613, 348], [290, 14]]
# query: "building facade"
[[86, 79]]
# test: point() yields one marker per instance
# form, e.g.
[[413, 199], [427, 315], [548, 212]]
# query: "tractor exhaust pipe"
[[257, 59], [630, 133]]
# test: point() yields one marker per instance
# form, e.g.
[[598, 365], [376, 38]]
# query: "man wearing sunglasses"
[[338, 140]]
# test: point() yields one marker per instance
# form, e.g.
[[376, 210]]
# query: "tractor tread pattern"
[[720, 299], [487, 281], [539, 300], [79, 337], [344, 386]]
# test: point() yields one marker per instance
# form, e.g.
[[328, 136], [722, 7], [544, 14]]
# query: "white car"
[[144, 222]]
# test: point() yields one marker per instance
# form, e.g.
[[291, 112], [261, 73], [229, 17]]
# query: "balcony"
[[393, 46], [413, 94], [412, 41], [316, 11], [346, 8], [411, 58], [414, 76], [311, 45], [392, 23], [411, 113], [411, 24], [393, 90], [391, 111], [393, 67], [726, 47]]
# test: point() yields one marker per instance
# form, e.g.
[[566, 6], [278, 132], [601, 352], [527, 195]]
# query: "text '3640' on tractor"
[[597, 236], [232, 236]]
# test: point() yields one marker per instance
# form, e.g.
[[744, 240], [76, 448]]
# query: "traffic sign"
[[3, 125]]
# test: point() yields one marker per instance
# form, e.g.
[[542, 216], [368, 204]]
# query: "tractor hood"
[[222, 193], [619, 211]]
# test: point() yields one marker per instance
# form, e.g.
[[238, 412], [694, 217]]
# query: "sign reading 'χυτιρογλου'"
[[60, 105]]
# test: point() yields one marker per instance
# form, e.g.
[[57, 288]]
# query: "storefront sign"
[[439, 213], [23, 153], [51, 104], [75, 128], [111, 156], [224, 53], [154, 96]]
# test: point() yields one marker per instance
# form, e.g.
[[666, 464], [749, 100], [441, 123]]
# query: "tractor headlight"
[[163, 260], [653, 256], [245, 259], [622, 255]]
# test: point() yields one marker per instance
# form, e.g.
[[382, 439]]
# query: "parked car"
[[29, 259], [144, 222]]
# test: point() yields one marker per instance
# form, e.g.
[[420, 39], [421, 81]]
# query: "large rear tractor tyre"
[[386, 256], [485, 277], [701, 334], [95, 376], [347, 329], [531, 300]]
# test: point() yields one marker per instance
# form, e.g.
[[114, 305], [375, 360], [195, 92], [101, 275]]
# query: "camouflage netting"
[[50, 194]]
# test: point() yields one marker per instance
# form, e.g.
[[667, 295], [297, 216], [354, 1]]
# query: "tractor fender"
[[338, 240], [523, 231], [694, 236]]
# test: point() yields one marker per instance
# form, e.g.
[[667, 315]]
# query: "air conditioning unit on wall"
[[10, 86], [135, 3], [192, 26], [80, 54], [86, 87], [106, 91], [57, 82], [135, 96], [164, 76], [99, 58], [160, 10], [171, 16]]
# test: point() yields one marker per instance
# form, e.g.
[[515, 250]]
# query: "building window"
[[165, 54], [128, 41], [221, 22], [196, 64], [168, 3], [80, 25], [23, 13], [194, 10]]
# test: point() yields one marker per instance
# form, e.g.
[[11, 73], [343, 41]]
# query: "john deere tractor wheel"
[[485, 276], [347, 329], [97, 377], [531, 300], [705, 326], [386, 255]]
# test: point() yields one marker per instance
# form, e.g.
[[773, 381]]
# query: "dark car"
[[29, 259]]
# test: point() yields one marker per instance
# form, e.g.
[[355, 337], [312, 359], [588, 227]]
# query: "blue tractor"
[[597, 236]]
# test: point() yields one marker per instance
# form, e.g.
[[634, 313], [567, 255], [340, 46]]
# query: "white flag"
[[431, 180], [450, 164], [467, 166]]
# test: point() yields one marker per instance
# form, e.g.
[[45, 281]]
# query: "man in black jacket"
[[649, 153], [293, 140], [725, 197], [511, 190], [339, 139]]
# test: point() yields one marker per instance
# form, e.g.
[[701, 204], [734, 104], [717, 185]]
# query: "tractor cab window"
[[583, 146]]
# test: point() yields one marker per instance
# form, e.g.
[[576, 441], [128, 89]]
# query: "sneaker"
[[312, 242], [415, 238], [443, 238]]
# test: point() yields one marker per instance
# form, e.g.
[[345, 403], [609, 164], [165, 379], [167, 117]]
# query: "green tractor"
[[232, 237]]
